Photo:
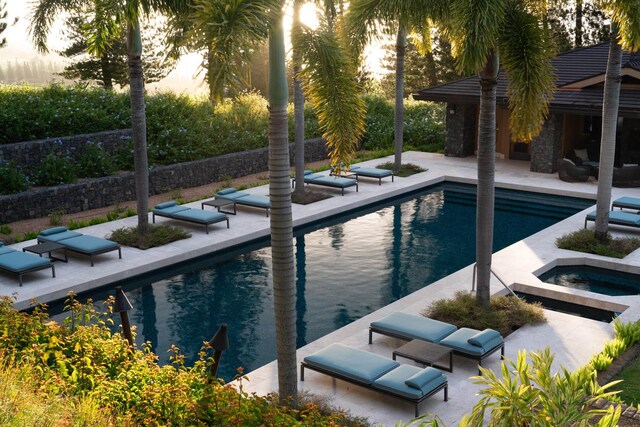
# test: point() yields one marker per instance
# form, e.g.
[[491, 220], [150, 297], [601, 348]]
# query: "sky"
[[184, 78]]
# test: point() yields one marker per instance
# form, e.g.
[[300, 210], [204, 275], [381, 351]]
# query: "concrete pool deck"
[[573, 339]]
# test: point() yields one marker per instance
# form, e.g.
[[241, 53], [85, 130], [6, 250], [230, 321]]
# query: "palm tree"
[[625, 33], [482, 33], [365, 19], [107, 17]]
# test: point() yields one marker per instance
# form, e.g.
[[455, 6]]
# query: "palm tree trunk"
[[138, 126], [298, 111], [578, 24], [106, 68], [486, 177], [284, 290], [610, 103], [401, 46]]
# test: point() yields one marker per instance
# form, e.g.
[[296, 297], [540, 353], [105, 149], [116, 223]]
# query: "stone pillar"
[[460, 130], [545, 148]]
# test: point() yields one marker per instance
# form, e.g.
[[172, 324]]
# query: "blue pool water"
[[346, 268], [594, 279]]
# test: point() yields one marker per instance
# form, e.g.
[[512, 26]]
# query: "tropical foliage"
[[530, 394], [585, 241], [95, 372]]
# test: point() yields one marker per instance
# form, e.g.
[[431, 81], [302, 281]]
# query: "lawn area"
[[630, 393]]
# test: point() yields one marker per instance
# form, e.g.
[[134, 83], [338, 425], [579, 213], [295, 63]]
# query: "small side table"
[[219, 203], [47, 248], [426, 353]]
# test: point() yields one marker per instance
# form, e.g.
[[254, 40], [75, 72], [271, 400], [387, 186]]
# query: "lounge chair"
[[330, 181], [386, 376], [465, 342], [632, 203], [78, 242], [21, 263], [244, 198], [627, 219], [182, 213], [372, 173]]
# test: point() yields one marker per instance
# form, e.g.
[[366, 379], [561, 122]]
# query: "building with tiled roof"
[[575, 112]]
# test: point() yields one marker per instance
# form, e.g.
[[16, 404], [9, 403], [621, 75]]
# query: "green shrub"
[[628, 332], [531, 395], [585, 241], [55, 218], [601, 361], [157, 235], [424, 126], [123, 157], [83, 357], [12, 179], [406, 169], [54, 170], [505, 314], [5, 229], [74, 225], [614, 348], [28, 235], [379, 123], [94, 162]]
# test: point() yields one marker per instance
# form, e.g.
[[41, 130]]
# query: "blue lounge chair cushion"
[[619, 217], [164, 205], [309, 177], [459, 340], [395, 381], [57, 237], [413, 326], [251, 200], [88, 244], [19, 261], [170, 210], [6, 250], [628, 202], [332, 181], [486, 339], [371, 172], [199, 215], [422, 378], [226, 191], [356, 364], [54, 230]]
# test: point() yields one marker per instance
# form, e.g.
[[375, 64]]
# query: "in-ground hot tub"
[[594, 279]]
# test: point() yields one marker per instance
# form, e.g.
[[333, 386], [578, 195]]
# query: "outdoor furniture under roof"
[[372, 173], [79, 243], [406, 382], [568, 171], [182, 213], [244, 198], [21, 263], [626, 202], [465, 342], [627, 219], [330, 181]]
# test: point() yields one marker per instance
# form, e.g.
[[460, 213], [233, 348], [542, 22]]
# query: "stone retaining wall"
[[106, 191], [31, 153]]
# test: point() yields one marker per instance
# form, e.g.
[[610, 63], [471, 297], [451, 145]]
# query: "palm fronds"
[[329, 83]]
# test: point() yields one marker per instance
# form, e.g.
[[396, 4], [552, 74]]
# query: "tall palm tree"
[[106, 20], [625, 34], [366, 19], [484, 31]]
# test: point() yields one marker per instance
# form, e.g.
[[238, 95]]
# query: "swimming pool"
[[346, 267], [593, 279]]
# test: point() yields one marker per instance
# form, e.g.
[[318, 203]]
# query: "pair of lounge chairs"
[[245, 199], [182, 213], [621, 217], [329, 181], [74, 241], [465, 342], [21, 263], [387, 376]]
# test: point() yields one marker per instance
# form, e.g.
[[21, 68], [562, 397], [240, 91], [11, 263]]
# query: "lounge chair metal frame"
[[31, 270], [614, 221], [206, 224], [416, 402]]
